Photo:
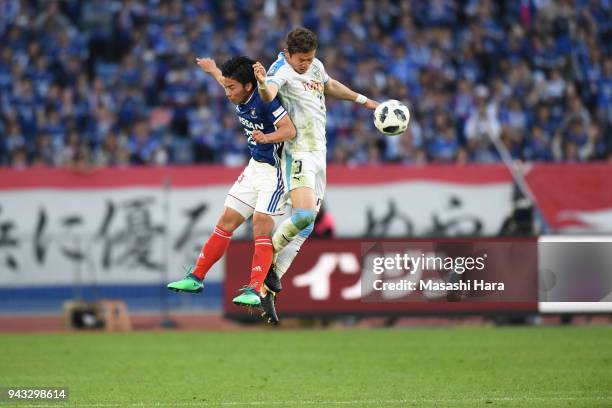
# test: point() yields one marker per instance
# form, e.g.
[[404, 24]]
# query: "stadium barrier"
[[331, 278], [520, 276], [122, 232]]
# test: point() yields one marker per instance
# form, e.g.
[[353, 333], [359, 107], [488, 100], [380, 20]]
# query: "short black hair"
[[240, 69], [301, 40]]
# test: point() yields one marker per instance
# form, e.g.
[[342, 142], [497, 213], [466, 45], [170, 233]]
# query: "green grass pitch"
[[464, 367]]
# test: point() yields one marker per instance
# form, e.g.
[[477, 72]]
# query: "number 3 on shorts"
[[297, 167]]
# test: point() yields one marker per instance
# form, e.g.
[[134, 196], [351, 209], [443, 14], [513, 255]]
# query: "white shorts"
[[305, 169], [259, 188]]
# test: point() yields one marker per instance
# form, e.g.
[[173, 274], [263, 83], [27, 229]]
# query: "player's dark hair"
[[239, 69], [301, 40]]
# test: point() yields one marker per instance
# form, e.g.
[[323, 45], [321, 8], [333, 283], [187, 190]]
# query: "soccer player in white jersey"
[[302, 83]]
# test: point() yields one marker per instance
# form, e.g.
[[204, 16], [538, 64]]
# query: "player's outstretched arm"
[[339, 90], [266, 90], [284, 131], [209, 66]]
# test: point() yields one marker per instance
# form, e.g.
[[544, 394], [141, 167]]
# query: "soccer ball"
[[391, 117]]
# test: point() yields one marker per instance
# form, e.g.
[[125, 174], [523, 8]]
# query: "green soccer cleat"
[[248, 297], [189, 284]]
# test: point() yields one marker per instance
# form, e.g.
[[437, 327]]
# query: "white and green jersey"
[[303, 97]]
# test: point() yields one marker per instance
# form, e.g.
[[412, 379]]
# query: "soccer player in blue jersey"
[[259, 190]]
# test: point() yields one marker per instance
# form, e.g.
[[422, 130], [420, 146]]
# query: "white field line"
[[290, 403]]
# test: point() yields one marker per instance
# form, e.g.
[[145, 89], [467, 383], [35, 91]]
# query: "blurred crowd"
[[103, 82]]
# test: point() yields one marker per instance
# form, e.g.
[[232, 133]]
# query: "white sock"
[[285, 257], [301, 222], [284, 234]]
